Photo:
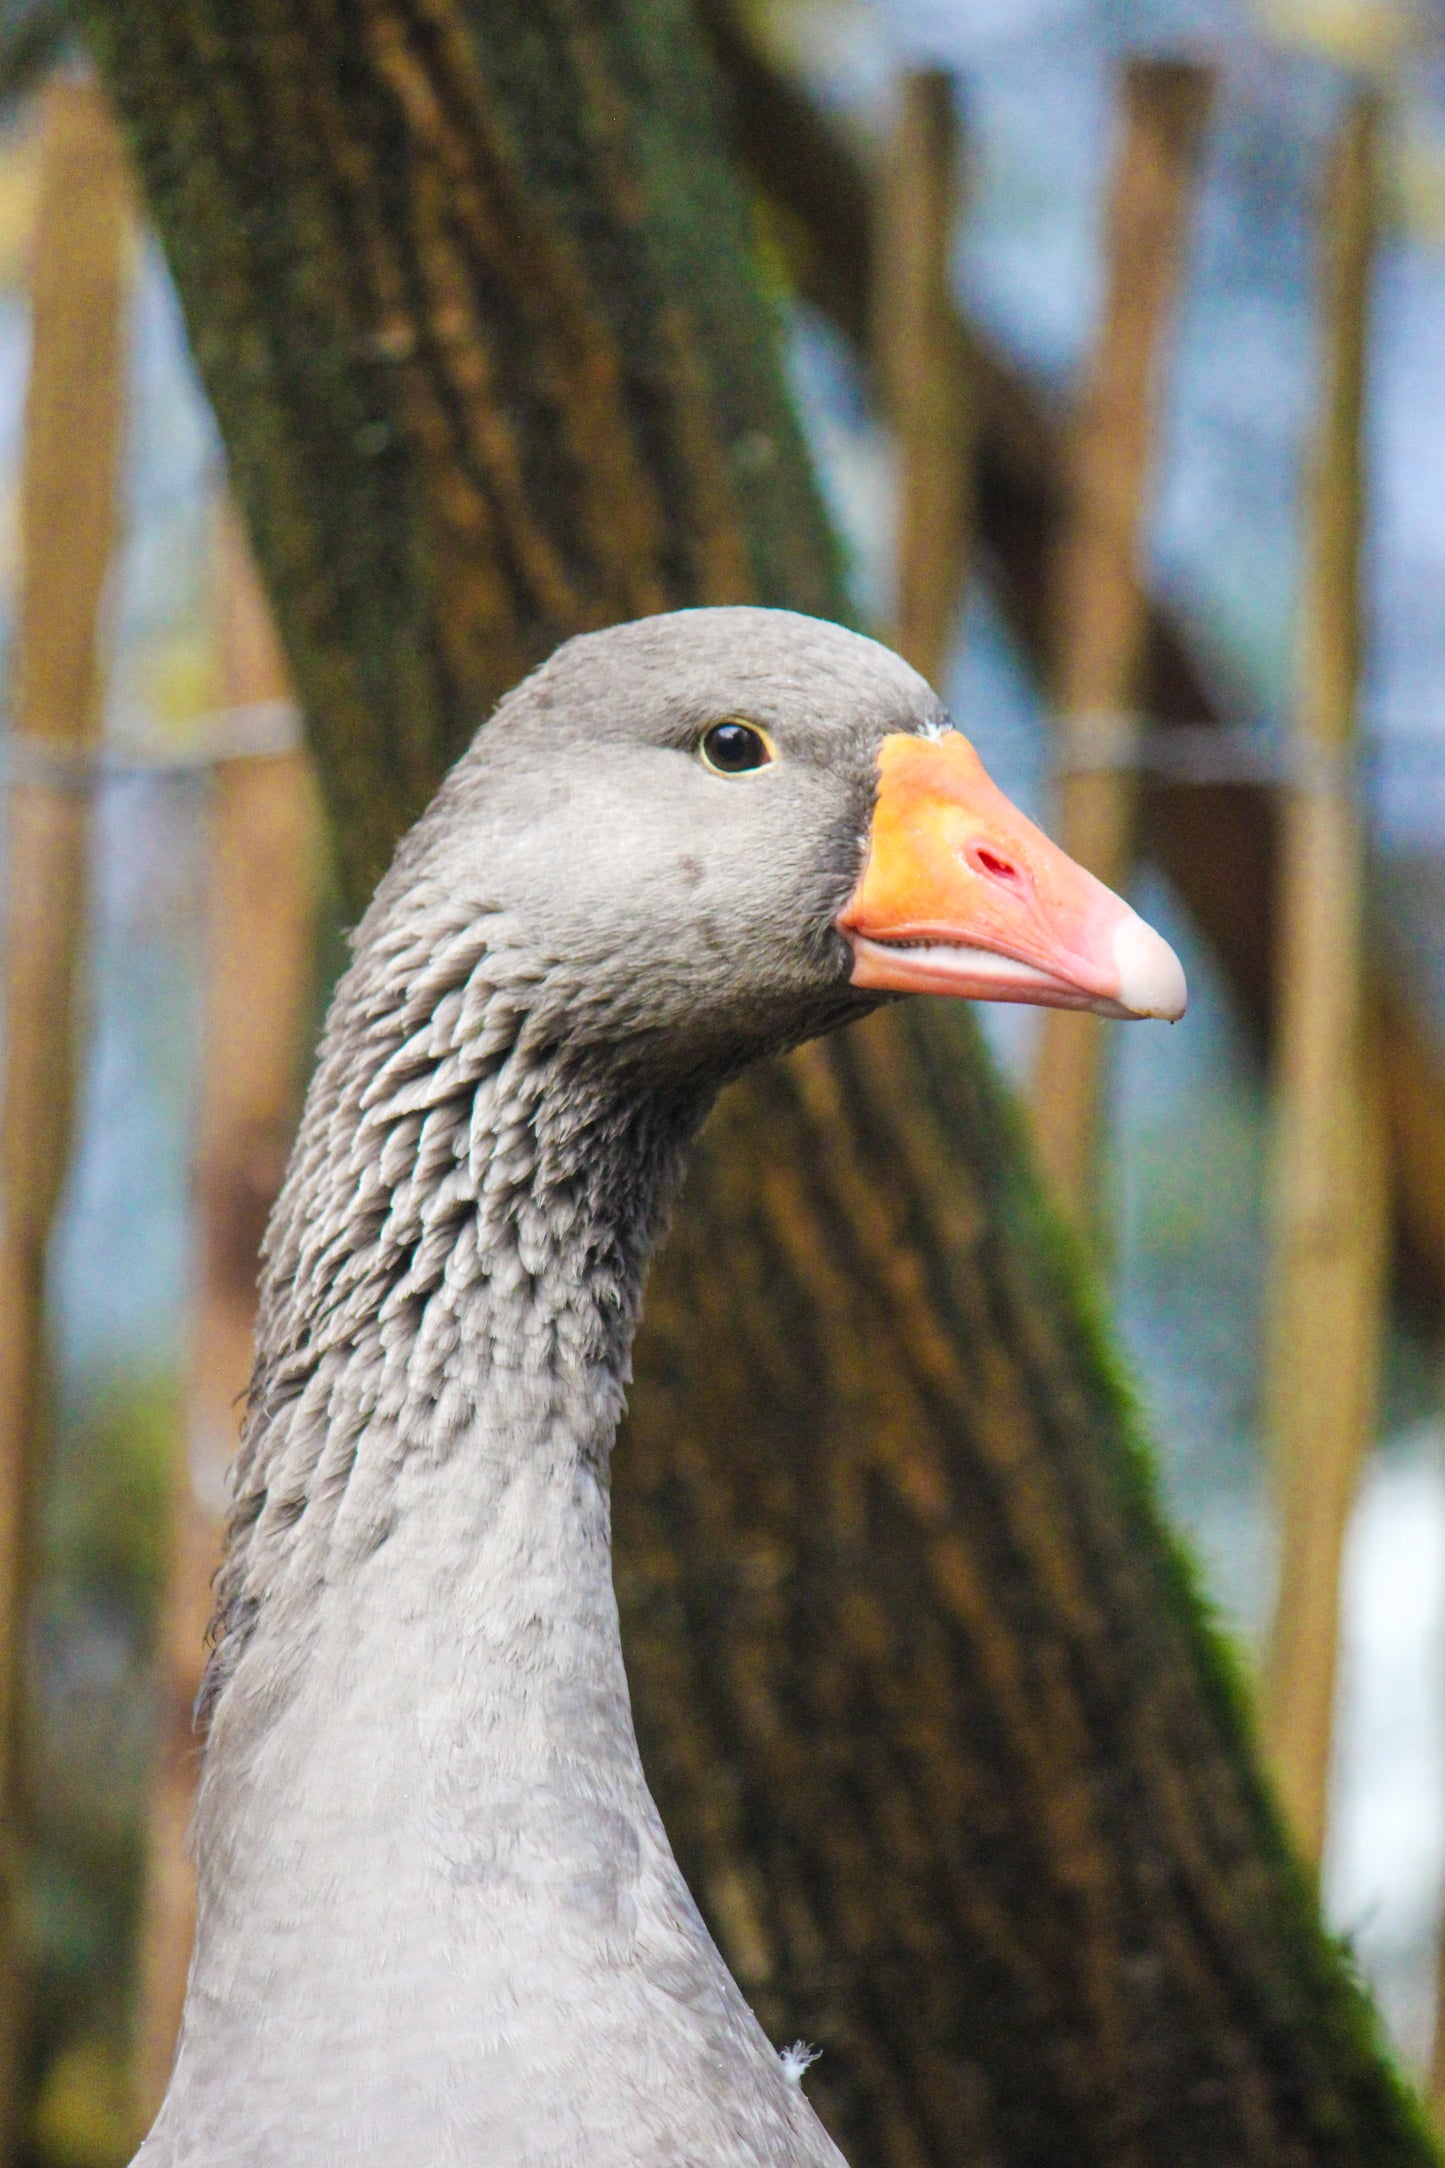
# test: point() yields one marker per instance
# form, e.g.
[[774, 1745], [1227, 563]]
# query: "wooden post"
[[265, 852], [1330, 1203], [922, 370], [73, 433], [1102, 610]]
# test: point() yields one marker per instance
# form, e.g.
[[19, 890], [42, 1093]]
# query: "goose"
[[439, 1919]]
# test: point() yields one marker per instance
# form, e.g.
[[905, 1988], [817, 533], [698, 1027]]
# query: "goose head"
[[724, 830]]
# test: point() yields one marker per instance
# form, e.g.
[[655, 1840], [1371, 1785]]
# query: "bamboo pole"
[[1102, 606], [1330, 1176], [265, 854], [68, 493], [925, 392]]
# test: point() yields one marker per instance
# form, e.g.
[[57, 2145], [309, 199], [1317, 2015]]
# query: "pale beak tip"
[[1151, 977]]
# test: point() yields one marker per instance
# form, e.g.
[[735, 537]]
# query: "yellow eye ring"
[[736, 747]]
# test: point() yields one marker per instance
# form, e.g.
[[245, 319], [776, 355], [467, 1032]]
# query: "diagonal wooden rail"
[[1218, 842]]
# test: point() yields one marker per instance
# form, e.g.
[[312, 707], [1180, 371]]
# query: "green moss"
[[101, 1573], [84, 2117], [105, 1517]]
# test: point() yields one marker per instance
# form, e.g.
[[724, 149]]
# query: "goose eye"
[[735, 748]]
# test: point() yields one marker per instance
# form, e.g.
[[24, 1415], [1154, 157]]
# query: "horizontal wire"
[[262, 729], [1205, 754], [1100, 743]]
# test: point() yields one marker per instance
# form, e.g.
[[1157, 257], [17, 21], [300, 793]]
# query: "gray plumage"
[[439, 1918]]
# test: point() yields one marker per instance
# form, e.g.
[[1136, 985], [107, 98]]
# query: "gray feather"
[[439, 1918]]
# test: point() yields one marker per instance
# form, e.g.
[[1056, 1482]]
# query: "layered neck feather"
[[464, 1232], [439, 1919]]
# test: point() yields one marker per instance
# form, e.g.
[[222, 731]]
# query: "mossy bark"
[[942, 1736]]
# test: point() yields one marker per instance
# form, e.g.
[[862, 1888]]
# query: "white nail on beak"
[[1151, 977]]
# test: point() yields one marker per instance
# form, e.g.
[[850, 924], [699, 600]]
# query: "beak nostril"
[[997, 868]]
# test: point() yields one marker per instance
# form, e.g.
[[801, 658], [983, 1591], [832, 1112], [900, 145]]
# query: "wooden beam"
[[1331, 1179], [73, 433], [925, 391], [1102, 610], [265, 848]]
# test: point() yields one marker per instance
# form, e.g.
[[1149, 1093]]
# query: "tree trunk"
[[947, 1749]]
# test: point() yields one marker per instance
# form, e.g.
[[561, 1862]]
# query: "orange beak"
[[961, 895]]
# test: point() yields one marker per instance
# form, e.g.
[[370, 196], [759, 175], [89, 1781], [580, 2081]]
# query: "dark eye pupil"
[[735, 747]]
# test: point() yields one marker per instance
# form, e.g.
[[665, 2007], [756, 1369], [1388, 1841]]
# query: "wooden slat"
[[73, 434], [1103, 612], [926, 394], [1331, 1183], [265, 847]]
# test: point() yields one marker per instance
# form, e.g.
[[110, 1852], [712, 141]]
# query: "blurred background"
[[1029, 156]]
